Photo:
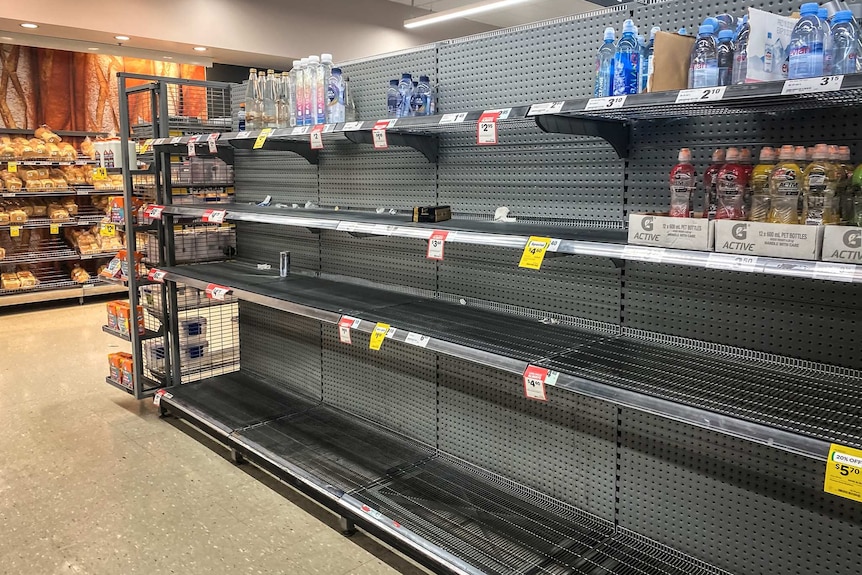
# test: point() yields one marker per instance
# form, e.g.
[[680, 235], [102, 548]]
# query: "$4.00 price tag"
[[378, 135], [154, 211], [217, 292], [157, 275], [345, 324], [436, 244], [317, 137], [261, 138], [214, 216], [535, 380], [844, 473], [486, 129], [378, 335], [534, 253]]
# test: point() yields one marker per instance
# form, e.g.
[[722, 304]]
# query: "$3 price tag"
[[436, 244], [486, 129]]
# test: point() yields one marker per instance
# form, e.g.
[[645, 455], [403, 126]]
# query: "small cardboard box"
[[842, 244], [662, 231], [795, 241], [672, 56]]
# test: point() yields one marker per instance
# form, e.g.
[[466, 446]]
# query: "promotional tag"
[[12, 167], [486, 129], [378, 135], [317, 137], [844, 472], [108, 230], [436, 244], [15, 231], [378, 335], [214, 216], [145, 147], [100, 174], [55, 229], [534, 252], [535, 380], [192, 146], [217, 292], [211, 142], [345, 324], [261, 138]]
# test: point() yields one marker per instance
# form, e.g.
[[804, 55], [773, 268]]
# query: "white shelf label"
[[214, 216], [176, 140], [732, 262], [351, 127], [159, 141], [611, 103], [453, 118], [486, 129], [157, 275], [643, 254], [217, 292], [347, 226], [834, 271], [211, 143], [701, 95], [154, 211], [300, 130], [555, 245], [502, 113], [192, 148], [417, 339], [546, 108], [812, 85]]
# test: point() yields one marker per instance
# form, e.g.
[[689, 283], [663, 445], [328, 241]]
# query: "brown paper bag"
[[670, 62]]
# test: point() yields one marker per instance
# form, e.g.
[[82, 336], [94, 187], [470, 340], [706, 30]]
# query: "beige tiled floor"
[[92, 482]]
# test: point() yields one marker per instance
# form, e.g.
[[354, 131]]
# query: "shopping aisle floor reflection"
[[92, 482]]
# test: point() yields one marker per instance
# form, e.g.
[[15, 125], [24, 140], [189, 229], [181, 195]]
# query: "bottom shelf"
[[444, 513], [47, 291]]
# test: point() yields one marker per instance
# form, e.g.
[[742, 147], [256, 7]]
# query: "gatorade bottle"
[[730, 188], [760, 186], [747, 168], [710, 178], [803, 157], [856, 184], [784, 188], [819, 184], [683, 183]]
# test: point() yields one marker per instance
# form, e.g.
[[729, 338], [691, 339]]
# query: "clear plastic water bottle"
[[725, 22], [283, 105], [651, 55], [769, 54], [703, 71], [845, 43], [312, 69], [415, 101], [806, 44], [270, 100], [424, 97], [349, 104], [627, 61], [259, 105], [335, 98], [241, 118], [324, 71], [393, 99], [305, 101], [823, 15], [740, 53], [296, 77], [251, 99], [604, 85], [405, 88], [714, 25], [642, 66], [725, 57]]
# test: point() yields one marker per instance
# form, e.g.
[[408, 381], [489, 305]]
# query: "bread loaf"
[[17, 216], [44, 133], [10, 281], [27, 279]]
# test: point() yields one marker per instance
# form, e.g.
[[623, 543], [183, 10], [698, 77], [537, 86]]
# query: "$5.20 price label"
[[535, 380], [844, 472], [436, 243]]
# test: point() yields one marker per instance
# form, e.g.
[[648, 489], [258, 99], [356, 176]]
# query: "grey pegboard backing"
[[743, 507], [564, 448], [369, 78], [807, 319], [283, 349], [587, 287], [262, 243], [673, 14], [394, 387], [286, 177], [548, 178], [547, 61], [362, 177], [378, 259]]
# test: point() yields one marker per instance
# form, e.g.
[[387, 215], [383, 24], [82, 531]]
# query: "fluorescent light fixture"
[[168, 57], [93, 49], [462, 12], [200, 49], [122, 37], [29, 25]]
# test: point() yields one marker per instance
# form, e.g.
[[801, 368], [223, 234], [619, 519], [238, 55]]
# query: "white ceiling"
[[531, 11]]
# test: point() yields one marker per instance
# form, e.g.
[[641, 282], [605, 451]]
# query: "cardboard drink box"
[[794, 241], [842, 244], [662, 231]]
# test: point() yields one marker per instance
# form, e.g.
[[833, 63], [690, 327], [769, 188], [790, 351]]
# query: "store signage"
[[216, 292], [844, 472], [154, 211], [812, 85], [378, 335], [261, 138], [157, 275], [378, 135], [214, 216], [701, 95], [611, 103], [211, 142]]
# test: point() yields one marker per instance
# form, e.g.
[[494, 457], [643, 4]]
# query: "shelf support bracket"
[[299, 148], [425, 144], [616, 133]]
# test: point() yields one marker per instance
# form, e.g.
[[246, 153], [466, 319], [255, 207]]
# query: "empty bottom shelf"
[[462, 518]]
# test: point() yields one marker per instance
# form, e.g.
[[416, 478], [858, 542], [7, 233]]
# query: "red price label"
[[217, 292], [317, 137], [378, 135], [436, 244], [191, 147], [345, 324], [486, 129], [211, 143], [214, 216], [157, 275], [535, 380], [154, 211]]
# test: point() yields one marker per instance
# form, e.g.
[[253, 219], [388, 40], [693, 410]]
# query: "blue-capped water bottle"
[[642, 69], [703, 71], [845, 43], [393, 99], [823, 15], [627, 61], [651, 56], [604, 85], [740, 53], [405, 88], [806, 44], [724, 53]]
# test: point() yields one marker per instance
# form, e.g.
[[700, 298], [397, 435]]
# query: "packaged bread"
[[13, 183], [4, 139], [7, 151], [58, 214], [88, 149], [53, 152], [27, 279], [39, 147], [26, 152], [60, 183], [4, 217], [70, 206], [20, 141], [28, 174], [10, 281], [81, 276], [67, 152], [27, 208], [17, 216], [43, 172], [47, 184], [2, 253], [40, 209], [45, 134]]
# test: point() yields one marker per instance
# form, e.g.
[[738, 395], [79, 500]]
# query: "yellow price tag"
[[100, 174], [264, 134], [378, 335], [55, 229], [15, 231], [844, 472], [534, 253], [108, 230], [12, 166], [146, 146]]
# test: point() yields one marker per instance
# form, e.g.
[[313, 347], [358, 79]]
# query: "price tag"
[[417, 339], [317, 137], [157, 275], [12, 167], [378, 335], [242, 135], [701, 95], [261, 138], [192, 149], [436, 243], [108, 230], [345, 324], [7, 195], [214, 216], [300, 130], [100, 174], [643, 254], [732, 262], [378, 135], [145, 147], [159, 141], [546, 108], [844, 472], [834, 272], [154, 211], [611, 103], [176, 140], [453, 118], [157, 398], [211, 142], [216, 292], [351, 126], [55, 229], [486, 129], [534, 252], [15, 231], [812, 85], [555, 245], [535, 380]]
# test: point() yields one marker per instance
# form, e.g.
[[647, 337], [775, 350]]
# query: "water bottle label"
[[700, 95], [812, 85]]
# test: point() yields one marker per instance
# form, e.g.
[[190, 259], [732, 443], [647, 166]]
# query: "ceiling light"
[[6, 38], [122, 37], [200, 49], [93, 49], [29, 25], [463, 12], [167, 57]]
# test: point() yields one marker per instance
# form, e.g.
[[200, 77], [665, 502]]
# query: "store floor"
[[92, 482]]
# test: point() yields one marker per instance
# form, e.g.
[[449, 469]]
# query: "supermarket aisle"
[[93, 482]]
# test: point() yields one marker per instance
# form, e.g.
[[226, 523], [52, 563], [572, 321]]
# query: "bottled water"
[[324, 71], [823, 15], [806, 44], [725, 22], [393, 99], [259, 105], [349, 105], [311, 68], [335, 98], [424, 97], [296, 77], [651, 56], [627, 61], [405, 88], [251, 100], [642, 63], [770, 54], [270, 97], [845, 43], [241, 118], [740, 53], [415, 101], [283, 106], [604, 85], [714, 25], [305, 102], [725, 57], [703, 71]]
